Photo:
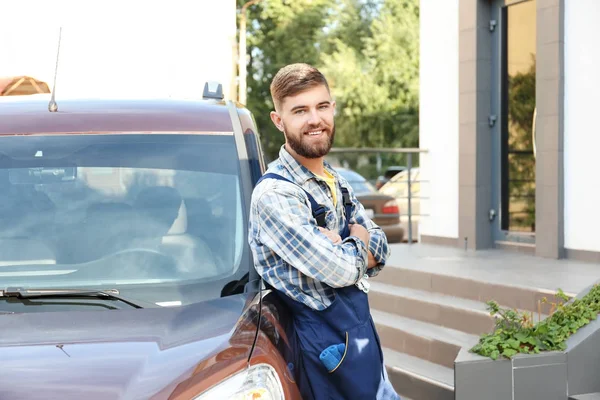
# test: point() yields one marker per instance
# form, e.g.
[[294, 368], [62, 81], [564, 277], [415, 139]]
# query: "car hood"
[[132, 354]]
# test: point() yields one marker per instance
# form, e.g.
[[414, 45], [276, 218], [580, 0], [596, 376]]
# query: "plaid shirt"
[[290, 253]]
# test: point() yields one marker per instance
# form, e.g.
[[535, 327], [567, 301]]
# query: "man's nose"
[[314, 118]]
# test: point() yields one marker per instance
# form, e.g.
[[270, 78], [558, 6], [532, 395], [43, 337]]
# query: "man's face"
[[307, 122]]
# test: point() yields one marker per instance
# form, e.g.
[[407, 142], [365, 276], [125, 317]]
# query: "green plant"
[[517, 332]]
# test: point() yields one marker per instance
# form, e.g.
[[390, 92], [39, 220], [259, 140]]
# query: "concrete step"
[[588, 396], [465, 315], [512, 296], [418, 379], [429, 342]]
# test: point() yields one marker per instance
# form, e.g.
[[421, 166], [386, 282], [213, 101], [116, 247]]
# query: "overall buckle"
[[363, 283]]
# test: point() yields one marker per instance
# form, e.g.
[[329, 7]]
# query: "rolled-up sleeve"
[[287, 228]]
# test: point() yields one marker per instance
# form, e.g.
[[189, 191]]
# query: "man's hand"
[[363, 234], [371, 262], [334, 237], [355, 230], [360, 232]]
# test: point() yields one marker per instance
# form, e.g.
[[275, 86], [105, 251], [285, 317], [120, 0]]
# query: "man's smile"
[[315, 132]]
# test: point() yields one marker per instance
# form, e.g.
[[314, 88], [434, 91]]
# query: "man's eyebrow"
[[297, 108], [303, 106]]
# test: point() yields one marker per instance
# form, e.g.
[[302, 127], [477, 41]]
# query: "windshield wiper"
[[109, 294]]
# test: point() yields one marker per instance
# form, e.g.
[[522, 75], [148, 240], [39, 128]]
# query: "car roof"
[[30, 115], [350, 175], [403, 176]]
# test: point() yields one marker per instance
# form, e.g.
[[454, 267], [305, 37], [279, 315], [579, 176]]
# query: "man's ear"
[[277, 120]]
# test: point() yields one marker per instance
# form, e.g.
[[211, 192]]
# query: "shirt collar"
[[300, 173]]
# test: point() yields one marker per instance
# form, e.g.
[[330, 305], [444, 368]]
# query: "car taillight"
[[391, 207]]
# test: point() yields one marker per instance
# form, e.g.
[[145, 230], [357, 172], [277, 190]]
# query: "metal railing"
[[409, 167]]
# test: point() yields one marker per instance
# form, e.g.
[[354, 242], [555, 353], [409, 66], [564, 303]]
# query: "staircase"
[[424, 318]]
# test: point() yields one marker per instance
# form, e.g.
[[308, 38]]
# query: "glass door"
[[513, 76]]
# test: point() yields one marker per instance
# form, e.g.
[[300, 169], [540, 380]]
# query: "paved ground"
[[498, 266]]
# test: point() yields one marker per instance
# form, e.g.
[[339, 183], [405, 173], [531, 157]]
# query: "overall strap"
[[347, 210], [318, 211]]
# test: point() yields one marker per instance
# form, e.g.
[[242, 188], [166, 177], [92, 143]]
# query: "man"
[[313, 243]]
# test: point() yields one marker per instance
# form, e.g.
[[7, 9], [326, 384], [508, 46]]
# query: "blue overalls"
[[347, 320]]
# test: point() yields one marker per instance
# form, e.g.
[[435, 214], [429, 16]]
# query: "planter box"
[[525, 377], [583, 359], [546, 376]]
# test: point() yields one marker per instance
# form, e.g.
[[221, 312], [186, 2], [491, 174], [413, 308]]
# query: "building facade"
[[509, 91]]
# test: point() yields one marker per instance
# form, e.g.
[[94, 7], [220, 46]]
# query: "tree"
[[377, 88], [281, 32], [368, 49], [349, 21]]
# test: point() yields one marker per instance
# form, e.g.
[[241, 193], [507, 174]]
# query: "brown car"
[[381, 208], [125, 269]]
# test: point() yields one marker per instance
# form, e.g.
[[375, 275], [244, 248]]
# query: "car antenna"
[[52, 106]]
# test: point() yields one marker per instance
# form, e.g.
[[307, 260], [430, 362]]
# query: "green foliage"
[[376, 85], [516, 332], [368, 50], [280, 32], [349, 21]]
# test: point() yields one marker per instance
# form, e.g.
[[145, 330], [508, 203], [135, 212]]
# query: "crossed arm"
[[287, 228]]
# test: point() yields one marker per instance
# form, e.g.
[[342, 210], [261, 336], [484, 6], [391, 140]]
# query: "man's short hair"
[[293, 79]]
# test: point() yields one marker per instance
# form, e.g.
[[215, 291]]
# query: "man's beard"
[[307, 150]]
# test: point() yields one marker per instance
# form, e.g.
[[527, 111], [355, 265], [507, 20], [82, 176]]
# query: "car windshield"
[[398, 185], [358, 183], [158, 216]]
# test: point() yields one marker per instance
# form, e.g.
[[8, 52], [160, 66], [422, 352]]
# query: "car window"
[[127, 211], [361, 187], [390, 173], [358, 183]]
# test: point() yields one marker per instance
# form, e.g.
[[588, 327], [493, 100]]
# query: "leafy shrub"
[[516, 332]]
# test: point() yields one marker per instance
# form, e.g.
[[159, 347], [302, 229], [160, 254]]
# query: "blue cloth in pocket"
[[331, 356]]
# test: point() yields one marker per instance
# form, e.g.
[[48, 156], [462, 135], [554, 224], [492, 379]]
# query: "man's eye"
[[298, 112], [324, 107]]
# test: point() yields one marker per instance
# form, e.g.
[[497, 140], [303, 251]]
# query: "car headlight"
[[259, 382]]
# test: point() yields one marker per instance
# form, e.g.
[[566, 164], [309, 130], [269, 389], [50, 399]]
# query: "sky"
[[120, 48]]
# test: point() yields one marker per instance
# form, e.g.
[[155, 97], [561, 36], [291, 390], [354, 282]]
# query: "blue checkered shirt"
[[290, 253]]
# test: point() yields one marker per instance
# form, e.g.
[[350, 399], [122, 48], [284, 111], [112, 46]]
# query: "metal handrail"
[[408, 151], [377, 150]]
